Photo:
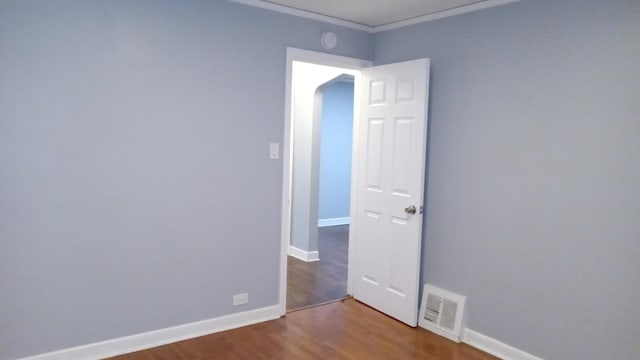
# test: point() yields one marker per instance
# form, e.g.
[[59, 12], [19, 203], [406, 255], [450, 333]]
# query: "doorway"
[[303, 217], [317, 273], [388, 170]]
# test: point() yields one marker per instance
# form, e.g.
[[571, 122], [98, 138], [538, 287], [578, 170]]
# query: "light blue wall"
[[533, 186], [335, 153], [136, 191]]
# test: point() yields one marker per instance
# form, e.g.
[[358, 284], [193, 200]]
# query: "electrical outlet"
[[240, 299]]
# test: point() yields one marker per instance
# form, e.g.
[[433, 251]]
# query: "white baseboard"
[[303, 255], [495, 347], [147, 340], [333, 221]]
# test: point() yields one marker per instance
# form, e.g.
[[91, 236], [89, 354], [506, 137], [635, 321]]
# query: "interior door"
[[391, 148]]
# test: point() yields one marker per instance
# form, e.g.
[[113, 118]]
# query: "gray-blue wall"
[[533, 196], [335, 151], [136, 191]]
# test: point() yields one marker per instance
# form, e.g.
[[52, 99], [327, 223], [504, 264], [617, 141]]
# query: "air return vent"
[[441, 312]]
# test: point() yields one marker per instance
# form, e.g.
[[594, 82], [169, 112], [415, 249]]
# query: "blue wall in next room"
[[335, 153]]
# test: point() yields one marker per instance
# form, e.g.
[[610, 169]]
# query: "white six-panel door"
[[389, 183]]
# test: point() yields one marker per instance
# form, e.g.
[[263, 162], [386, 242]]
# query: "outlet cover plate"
[[240, 299]]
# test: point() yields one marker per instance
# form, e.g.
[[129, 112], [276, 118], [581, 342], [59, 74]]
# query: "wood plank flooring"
[[340, 330], [312, 283]]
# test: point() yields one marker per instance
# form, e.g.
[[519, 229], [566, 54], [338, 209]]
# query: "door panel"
[[390, 178], [370, 271], [374, 150]]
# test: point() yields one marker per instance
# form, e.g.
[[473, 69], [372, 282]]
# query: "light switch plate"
[[274, 150]]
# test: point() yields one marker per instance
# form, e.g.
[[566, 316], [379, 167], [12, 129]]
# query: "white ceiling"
[[374, 12], [374, 15]]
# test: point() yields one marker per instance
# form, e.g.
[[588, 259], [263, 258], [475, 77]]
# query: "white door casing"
[[388, 176], [388, 181]]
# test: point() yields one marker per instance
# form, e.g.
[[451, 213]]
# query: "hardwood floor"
[[340, 330], [312, 283]]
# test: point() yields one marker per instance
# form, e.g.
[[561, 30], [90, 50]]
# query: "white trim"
[[304, 14], [128, 344], [308, 256], [495, 347], [313, 57], [373, 29], [441, 14], [334, 221], [320, 58]]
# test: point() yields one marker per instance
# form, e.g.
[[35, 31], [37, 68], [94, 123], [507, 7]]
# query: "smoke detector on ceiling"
[[329, 40]]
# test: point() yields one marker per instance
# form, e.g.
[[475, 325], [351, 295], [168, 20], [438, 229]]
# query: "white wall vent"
[[442, 312]]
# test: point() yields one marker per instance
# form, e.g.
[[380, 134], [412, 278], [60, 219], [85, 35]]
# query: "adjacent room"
[[148, 178], [317, 270]]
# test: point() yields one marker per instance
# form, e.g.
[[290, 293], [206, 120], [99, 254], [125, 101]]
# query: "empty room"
[[150, 173]]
